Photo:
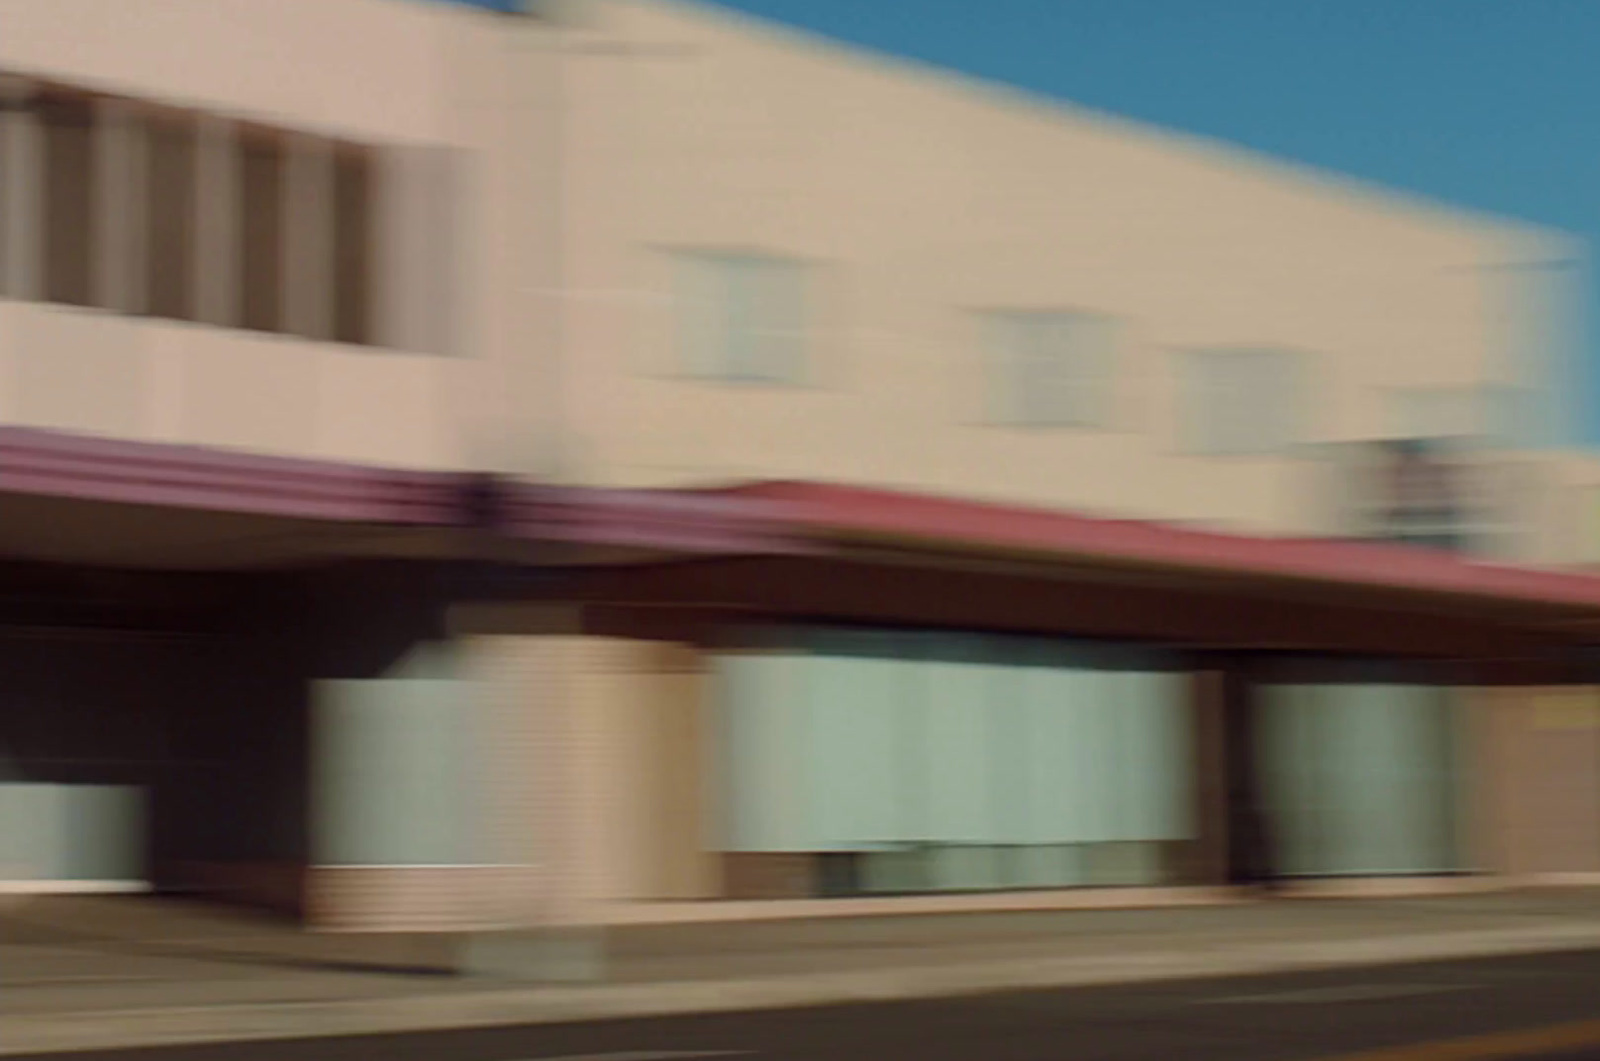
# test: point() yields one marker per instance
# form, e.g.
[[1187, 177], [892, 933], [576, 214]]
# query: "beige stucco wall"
[[922, 198], [264, 60], [1538, 786], [647, 125], [159, 381]]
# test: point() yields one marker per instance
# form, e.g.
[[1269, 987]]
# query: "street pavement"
[[1545, 1006]]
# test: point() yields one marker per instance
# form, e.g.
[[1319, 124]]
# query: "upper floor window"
[[742, 317], [130, 206], [1241, 402], [1440, 412], [1052, 368], [1500, 415]]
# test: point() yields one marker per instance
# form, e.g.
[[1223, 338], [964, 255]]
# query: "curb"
[[175, 1026]]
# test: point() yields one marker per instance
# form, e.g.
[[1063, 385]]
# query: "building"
[[576, 468]]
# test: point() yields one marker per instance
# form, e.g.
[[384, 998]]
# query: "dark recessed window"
[[352, 245], [67, 132], [261, 230], [170, 209], [132, 205]]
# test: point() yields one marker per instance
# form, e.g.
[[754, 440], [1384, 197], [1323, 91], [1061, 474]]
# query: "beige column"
[[592, 779], [547, 714], [642, 762], [676, 767], [509, 671], [569, 804], [1544, 750]]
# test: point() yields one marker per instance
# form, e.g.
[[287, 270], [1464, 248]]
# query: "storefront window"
[[895, 764], [1360, 778]]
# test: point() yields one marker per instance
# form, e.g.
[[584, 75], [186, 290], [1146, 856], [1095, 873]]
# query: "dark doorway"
[[1250, 849]]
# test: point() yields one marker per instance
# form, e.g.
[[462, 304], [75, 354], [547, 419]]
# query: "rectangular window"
[[1440, 412], [909, 762], [1360, 780], [170, 212], [1243, 402], [742, 317], [261, 230], [67, 124], [1054, 368]]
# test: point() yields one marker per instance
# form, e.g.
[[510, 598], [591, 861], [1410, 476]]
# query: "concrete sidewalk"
[[94, 974]]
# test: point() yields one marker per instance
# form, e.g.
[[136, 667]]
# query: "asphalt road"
[[1546, 1006]]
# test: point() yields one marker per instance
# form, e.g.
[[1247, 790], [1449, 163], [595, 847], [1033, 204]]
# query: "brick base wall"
[[412, 898], [769, 876]]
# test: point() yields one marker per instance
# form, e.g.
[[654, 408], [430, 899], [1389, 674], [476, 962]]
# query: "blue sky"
[[1493, 104]]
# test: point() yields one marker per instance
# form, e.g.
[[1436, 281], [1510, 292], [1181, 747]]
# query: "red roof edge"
[[56, 464], [829, 509], [654, 519]]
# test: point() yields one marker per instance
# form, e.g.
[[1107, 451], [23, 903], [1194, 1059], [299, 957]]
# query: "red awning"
[[57, 464], [191, 483], [760, 518], [660, 520], [942, 522]]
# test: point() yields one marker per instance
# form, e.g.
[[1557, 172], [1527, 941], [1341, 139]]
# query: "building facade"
[[629, 462]]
